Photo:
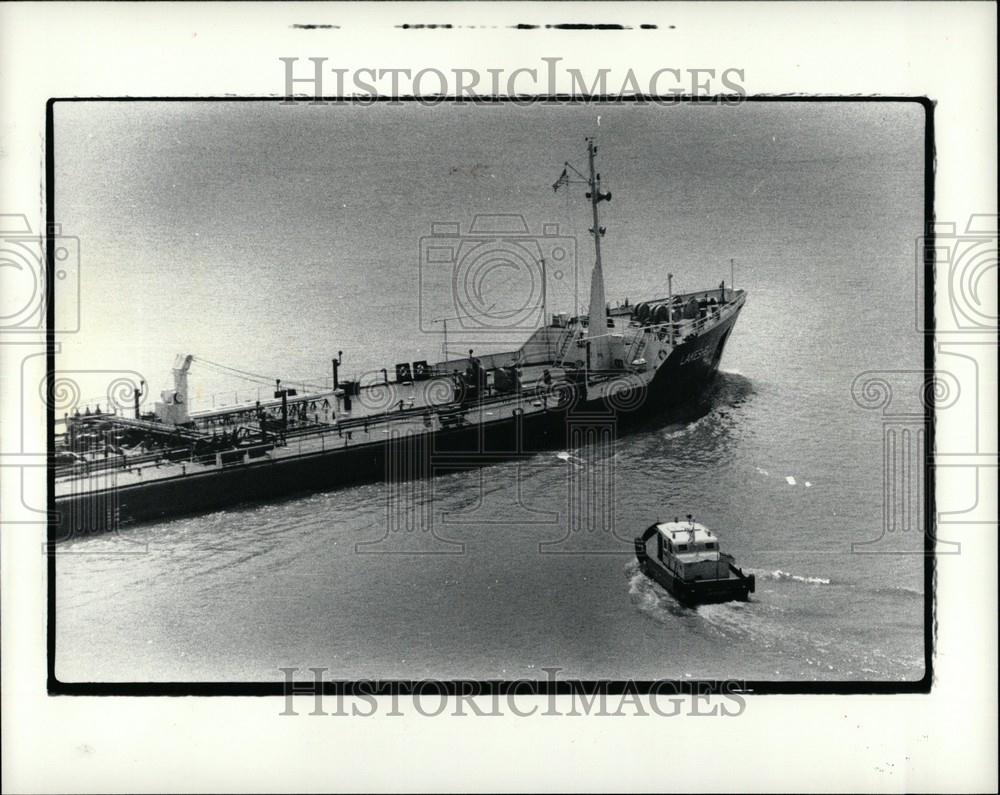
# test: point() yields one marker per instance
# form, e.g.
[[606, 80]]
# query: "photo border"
[[455, 687]]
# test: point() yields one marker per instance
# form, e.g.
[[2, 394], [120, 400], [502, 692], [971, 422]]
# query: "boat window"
[[710, 545], [682, 547]]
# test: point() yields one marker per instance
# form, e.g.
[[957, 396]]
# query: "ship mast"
[[597, 329], [598, 342]]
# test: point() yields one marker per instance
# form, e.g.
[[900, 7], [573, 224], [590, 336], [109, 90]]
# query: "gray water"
[[268, 237]]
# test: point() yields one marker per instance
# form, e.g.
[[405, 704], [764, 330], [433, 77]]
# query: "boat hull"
[[685, 377], [736, 588], [680, 384]]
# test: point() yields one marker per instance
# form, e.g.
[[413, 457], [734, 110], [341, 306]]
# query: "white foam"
[[778, 574], [684, 429], [648, 598], [790, 480], [899, 589]]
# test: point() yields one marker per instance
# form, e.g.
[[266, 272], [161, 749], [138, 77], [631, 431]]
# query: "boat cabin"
[[689, 564], [691, 551]]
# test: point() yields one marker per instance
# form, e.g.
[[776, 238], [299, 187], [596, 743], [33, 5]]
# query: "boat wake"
[[650, 598], [729, 619], [676, 432], [771, 630], [778, 574], [898, 590], [734, 620]]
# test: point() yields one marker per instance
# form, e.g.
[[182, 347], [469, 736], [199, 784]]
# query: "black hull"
[[735, 589], [683, 380], [680, 385]]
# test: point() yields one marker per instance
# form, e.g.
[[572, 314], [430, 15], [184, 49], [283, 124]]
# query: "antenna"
[[444, 325]]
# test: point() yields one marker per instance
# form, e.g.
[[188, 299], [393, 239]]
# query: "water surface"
[[269, 237]]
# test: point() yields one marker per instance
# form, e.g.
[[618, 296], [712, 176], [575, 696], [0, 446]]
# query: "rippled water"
[[819, 205]]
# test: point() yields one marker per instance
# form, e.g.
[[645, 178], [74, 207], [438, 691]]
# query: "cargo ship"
[[117, 464], [690, 564]]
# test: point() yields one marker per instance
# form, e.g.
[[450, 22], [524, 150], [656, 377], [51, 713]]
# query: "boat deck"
[[375, 417]]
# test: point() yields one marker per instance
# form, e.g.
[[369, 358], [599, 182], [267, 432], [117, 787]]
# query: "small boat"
[[689, 564]]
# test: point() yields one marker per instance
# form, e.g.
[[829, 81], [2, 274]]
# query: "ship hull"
[[685, 377], [681, 383]]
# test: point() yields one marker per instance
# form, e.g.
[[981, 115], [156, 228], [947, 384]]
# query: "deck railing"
[[345, 427]]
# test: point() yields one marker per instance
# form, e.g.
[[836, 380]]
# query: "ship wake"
[[778, 574]]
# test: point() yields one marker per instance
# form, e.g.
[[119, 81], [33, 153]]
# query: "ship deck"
[[378, 413], [427, 407]]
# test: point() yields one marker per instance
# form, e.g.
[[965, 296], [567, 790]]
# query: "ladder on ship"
[[638, 346], [564, 346]]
